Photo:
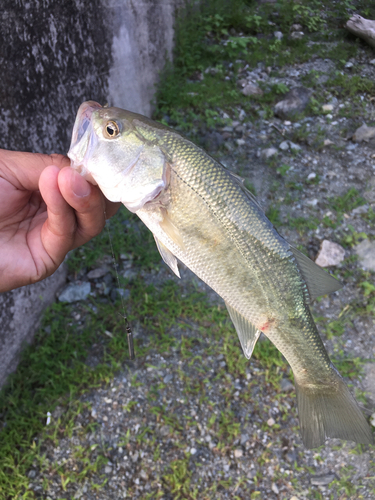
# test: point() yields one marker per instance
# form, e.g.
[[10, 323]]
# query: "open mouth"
[[82, 134]]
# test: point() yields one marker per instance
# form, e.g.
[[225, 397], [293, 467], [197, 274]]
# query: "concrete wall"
[[53, 56]]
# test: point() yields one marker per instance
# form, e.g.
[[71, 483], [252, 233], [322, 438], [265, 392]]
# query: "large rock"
[[53, 56], [364, 28]]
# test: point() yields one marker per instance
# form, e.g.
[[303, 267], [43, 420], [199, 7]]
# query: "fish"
[[201, 214]]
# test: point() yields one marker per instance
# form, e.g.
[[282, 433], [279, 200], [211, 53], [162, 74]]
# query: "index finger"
[[23, 170]]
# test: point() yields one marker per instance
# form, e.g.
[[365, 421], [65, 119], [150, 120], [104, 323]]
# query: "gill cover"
[[107, 150]]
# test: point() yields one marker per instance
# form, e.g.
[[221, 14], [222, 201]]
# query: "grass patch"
[[214, 42], [54, 372], [128, 236]]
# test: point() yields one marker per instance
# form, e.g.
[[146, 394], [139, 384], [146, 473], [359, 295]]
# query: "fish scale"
[[196, 174], [200, 213]]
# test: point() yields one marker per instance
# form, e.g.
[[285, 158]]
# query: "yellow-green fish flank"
[[201, 214]]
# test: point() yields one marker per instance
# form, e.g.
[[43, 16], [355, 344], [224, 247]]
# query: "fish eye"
[[111, 130]]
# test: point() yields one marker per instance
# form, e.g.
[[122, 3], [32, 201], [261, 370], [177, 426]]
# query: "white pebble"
[[271, 422], [275, 489], [238, 453]]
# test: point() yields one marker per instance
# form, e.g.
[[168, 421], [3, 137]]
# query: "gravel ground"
[[178, 425]]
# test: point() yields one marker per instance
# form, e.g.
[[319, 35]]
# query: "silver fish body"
[[201, 214]]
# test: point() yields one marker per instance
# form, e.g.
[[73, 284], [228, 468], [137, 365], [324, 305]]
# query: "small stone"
[[274, 488], [285, 145], [372, 421], [312, 203], [241, 142], [294, 498], [327, 142], [364, 133], [329, 116], [322, 480], [251, 89], [311, 176], [238, 453], [372, 61], [227, 128], [294, 102], [366, 253], [165, 430], [286, 385], [291, 456], [193, 451], [327, 108], [99, 272], [108, 469], [244, 438], [363, 209], [168, 378], [268, 153], [349, 65], [330, 254], [271, 422], [75, 292], [278, 35], [296, 27], [143, 475], [135, 456], [126, 256], [297, 35], [294, 147]]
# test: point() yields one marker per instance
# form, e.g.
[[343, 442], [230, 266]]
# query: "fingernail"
[[80, 187]]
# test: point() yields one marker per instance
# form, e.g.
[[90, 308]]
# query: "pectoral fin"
[[168, 257], [170, 230], [317, 280], [247, 332]]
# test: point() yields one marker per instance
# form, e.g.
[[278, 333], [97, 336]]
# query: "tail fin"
[[330, 412]]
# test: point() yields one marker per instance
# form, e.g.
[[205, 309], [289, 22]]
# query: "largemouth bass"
[[200, 213]]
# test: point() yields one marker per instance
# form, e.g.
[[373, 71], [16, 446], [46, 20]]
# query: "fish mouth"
[[82, 137]]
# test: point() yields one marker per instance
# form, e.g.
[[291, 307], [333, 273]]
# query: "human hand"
[[46, 209]]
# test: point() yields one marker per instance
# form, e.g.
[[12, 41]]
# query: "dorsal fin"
[[241, 182], [246, 331], [317, 280]]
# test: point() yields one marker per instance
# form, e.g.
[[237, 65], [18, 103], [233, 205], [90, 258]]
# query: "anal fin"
[[318, 281], [168, 257], [246, 331]]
